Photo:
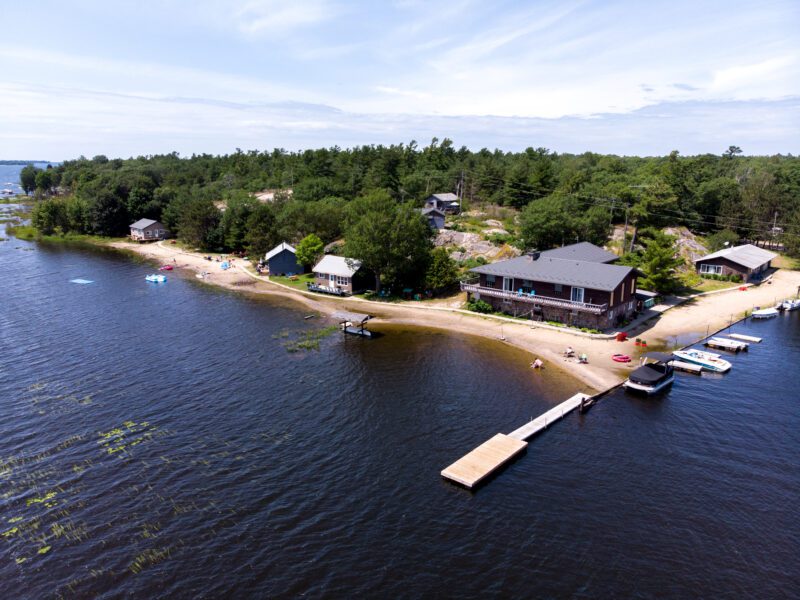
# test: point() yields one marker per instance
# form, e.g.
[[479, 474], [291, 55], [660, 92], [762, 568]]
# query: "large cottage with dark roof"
[[576, 285]]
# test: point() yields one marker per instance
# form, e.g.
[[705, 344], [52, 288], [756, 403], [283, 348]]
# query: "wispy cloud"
[[278, 17]]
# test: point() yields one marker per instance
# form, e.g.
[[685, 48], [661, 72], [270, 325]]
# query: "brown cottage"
[[146, 230], [748, 261], [573, 285]]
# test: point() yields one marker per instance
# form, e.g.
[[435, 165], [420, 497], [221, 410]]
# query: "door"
[[508, 284], [332, 284]]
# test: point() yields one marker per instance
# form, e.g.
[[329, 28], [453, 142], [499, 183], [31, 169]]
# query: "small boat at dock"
[[708, 360], [765, 313], [654, 374], [788, 305]]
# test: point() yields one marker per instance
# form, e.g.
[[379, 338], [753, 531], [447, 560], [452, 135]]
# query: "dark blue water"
[[160, 441]]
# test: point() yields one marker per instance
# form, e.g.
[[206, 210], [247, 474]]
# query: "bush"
[[479, 306]]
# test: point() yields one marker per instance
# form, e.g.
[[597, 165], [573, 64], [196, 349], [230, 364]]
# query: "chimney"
[[533, 254]]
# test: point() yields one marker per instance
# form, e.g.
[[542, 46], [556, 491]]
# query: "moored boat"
[[651, 377], [708, 360], [788, 305], [765, 313]]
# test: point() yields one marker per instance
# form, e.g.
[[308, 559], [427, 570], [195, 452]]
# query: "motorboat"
[[788, 305], [765, 313], [654, 374], [708, 360], [156, 278]]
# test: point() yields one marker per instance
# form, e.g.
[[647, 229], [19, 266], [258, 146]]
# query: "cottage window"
[[633, 286], [713, 269], [611, 302], [490, 280], [577, 294], [557, 287]]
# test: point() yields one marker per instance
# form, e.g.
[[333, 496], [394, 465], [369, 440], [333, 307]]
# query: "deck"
[[729, 345], [473, 468], [533, 299], [490, 456]]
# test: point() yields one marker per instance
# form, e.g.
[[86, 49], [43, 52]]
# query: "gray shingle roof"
[[748, 255], [446, 197], [278, 249], [428, 211], [578, 273], [143, 223], [582, 251]]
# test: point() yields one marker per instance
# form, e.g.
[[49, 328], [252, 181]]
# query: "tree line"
[[332, 193]]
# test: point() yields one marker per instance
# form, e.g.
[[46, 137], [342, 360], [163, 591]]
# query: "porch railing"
[[473, 287]]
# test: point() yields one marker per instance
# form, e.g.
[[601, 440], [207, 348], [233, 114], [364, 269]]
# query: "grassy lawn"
[[299, 283], [707, 285], [786, 262]]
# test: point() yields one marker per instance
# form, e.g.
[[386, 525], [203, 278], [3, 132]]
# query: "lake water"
[[162, 441], [9, 176]]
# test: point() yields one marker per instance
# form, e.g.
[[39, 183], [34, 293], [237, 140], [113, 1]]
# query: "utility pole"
[[460, 190], [625, 231]]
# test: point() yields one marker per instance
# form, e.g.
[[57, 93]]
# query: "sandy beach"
[[691, 320]]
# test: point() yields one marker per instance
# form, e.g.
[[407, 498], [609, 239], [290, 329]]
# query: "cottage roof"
[[446, 197], [577, 273], [143, 223], [582, 251], [337, 265], [278, 249], [748, 255]]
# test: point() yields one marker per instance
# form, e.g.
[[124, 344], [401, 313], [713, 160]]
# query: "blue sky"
[[126, 77]]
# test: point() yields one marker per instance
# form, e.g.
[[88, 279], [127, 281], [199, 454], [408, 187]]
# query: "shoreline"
[[691, 319]]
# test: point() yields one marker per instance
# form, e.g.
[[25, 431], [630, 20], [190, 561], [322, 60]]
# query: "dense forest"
[[367, 192]]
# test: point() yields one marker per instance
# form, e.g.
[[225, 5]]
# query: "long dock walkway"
[[490, 456], [746, 338]]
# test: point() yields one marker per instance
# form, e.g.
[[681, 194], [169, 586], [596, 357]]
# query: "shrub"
[[479, 306]]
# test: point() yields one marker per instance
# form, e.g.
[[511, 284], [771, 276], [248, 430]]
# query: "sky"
[[127, 78]]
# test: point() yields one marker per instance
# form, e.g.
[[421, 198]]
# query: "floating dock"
[[723, 344], [746, 338], [685, 366], [476, 466], [490, 456], [353, 323]]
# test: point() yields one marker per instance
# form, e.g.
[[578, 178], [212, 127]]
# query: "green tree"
[[261, 236], [442, 272], [309, 250], [658, 263], [547, 223], [44, 181], [27, 178], [198, 223], [389, 240]]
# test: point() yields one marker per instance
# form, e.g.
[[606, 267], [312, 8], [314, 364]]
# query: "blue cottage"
[[282, 260]]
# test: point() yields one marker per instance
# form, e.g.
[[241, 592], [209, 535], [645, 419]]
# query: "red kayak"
[[165, 268], [621, 358]]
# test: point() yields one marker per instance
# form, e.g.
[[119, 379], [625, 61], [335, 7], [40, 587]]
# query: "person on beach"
[[537, 364], [569, 352]]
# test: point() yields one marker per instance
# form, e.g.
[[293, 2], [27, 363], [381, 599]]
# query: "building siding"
[[732, 268], [284, 263]]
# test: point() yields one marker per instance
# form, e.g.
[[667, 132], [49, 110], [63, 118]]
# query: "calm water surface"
[[161, 441]]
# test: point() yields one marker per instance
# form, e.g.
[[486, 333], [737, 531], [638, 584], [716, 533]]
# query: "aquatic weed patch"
[[121, 440], [309, 339]]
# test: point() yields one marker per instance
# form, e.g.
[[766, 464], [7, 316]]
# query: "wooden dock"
[[685, 366], [487, 458], [746, 338], [476, 466], [528, 430], [723, 344]]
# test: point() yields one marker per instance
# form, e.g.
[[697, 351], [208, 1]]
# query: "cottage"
[[434, 216], [337, 275], [548, 287], [748, 261], [145, 230], [447, 203], [282, 260]]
